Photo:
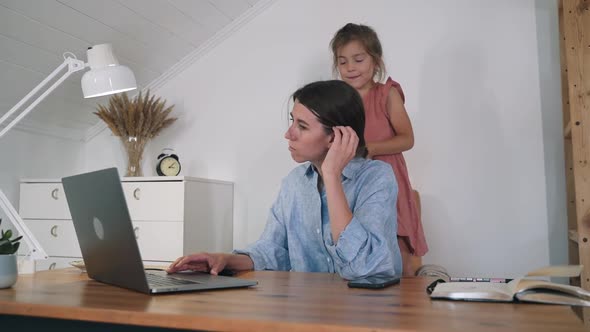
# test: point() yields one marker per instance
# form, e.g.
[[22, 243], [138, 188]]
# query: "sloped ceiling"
[[152, 37]]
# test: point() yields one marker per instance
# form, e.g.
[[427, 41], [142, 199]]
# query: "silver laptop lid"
[[107, 240], [104, 229]]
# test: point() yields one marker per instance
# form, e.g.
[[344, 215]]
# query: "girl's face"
[[356, 66], [307, 137]]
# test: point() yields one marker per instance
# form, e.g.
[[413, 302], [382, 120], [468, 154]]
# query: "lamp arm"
[[36, 251], [73, 66]]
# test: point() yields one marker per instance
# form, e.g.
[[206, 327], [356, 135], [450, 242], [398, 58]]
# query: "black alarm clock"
[[168, 163]]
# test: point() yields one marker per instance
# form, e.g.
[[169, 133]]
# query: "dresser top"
[[140, 179]]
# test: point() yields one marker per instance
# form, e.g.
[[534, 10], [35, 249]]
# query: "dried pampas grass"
[[141, 116], [135, 121]]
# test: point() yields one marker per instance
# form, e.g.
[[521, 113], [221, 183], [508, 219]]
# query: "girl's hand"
[[342, 150], [201, 262]]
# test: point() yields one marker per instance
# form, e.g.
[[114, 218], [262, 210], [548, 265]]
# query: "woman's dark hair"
[[364, 35], [335, 103]]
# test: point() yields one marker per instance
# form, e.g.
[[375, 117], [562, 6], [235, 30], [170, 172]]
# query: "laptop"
[[107, 240]]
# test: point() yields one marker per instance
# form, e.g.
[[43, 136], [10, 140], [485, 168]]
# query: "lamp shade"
[[106, 75]]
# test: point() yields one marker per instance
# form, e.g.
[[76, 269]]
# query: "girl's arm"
[[400, 121]]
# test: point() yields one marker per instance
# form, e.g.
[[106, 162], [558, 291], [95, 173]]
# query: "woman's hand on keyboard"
[[202, 262]]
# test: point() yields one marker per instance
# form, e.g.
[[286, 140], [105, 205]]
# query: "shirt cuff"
[[256, 259]]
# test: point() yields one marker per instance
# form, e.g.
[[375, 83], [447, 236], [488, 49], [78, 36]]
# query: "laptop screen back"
[[104, 229]]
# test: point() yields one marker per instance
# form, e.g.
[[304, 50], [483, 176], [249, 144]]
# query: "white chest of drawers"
[[172, 216]]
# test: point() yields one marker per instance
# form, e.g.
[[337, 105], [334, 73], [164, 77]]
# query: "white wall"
[[470, 70]]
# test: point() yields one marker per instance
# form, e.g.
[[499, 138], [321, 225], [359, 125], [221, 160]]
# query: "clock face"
[[170, 166]]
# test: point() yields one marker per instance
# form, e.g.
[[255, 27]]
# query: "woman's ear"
[[330, 140]]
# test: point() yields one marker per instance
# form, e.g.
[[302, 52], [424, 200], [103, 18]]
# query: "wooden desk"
[[282, 301]]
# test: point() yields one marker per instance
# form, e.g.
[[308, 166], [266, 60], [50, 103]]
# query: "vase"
[[8, 271], [134, 146]]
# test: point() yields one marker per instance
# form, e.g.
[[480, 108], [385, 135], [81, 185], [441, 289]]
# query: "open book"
[[527, 289]]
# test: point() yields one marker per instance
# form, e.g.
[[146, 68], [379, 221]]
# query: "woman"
[[336, 212]]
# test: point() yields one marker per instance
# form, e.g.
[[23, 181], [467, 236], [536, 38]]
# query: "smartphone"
[[374, 282]]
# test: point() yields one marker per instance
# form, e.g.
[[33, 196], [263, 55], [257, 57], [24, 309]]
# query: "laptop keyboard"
[[155, 280]]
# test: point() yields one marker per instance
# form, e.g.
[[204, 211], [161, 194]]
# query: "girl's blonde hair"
[[367, 37]]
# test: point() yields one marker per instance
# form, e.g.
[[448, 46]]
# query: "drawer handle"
[[136, 193], [136, 231], [54, 231], [54, 194], [52, 266]]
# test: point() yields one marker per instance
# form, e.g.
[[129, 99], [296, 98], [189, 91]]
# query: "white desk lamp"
[[105, 77]]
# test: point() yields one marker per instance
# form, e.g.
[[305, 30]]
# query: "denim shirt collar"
[[349, 172]]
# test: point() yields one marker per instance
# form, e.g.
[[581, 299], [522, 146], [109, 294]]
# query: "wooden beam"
[[575, 29]]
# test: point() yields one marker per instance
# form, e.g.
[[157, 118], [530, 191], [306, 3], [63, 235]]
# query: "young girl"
[[358, 58], [336, 212]]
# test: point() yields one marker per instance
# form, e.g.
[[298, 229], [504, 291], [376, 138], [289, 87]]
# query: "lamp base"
[[25, 265]]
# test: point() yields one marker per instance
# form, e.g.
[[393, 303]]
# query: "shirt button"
[[317, 231], [328, 259]]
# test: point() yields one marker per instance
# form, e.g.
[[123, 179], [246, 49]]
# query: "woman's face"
[[307, 137], [355, 65]]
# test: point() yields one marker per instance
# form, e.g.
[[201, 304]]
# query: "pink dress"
[[378, 128]]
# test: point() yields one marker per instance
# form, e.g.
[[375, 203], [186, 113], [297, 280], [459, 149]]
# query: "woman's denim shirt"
[[297, 235]]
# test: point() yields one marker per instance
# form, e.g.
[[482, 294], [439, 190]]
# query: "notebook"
[[107, 240]]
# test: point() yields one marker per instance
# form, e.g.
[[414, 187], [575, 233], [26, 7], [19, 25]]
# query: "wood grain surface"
[[282, 301]]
